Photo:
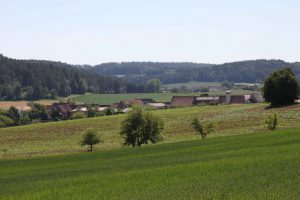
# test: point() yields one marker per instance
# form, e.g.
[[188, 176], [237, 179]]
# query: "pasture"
[[7, 104], [108, 99], [64, 137], [256, 166]]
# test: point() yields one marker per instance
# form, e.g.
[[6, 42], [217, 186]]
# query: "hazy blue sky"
[[96, 31]]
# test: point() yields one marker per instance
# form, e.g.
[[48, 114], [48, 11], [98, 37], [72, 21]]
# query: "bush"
[[203, 130], [272, 122], [140, 127], [6, 121], [281, 87], [78, 115]]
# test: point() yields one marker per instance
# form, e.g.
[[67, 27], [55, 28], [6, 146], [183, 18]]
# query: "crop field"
[[64, 137], [108, 99], [7, 104], [256, 166]]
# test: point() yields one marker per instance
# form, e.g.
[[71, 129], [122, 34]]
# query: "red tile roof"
[[178, 101]]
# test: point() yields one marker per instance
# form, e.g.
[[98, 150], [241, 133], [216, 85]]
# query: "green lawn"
[[64, 137], [257, 166]]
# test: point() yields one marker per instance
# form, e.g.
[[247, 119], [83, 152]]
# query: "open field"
[[257, 166], [193, 84], [107, 99], [64, 137], [6, 104]]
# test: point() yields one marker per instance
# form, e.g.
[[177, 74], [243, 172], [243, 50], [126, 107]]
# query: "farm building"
[[183, 101], [207, 100], [63, 109], [127, 103], [157, 105], [239, 99]]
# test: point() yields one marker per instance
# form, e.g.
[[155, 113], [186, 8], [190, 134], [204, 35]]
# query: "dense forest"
[[33, 79], [244, 71]]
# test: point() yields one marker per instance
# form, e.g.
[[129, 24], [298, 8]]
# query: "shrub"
[[78, 115], [140, 127], [201, 129], [272, 122], [5, 121]]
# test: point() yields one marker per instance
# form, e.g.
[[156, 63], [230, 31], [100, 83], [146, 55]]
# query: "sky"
[[100, 31]]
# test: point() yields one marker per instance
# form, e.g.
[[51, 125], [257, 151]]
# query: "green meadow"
[[64, 137], [107, 99], [264, 165]]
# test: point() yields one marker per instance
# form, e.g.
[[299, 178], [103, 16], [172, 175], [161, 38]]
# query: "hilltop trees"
[[37, 79], [140, 127], [281, 87]]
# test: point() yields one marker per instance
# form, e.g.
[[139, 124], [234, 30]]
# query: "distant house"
[[207, 100], [64, 109], [183, 101], [157, 105], [127, 103], [146, 101], [240, 99], [214, 88]]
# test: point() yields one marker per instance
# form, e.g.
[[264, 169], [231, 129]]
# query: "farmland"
[[6, 104], [256, 166], [193, 84], [107, 99], [64, 137]]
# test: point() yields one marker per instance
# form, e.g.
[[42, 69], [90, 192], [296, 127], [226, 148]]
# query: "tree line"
[[238, 72], [37, 79]]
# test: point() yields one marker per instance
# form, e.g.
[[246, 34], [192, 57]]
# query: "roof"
[[157, 104], [62, 108], [183, 101], [235, 99], [207, 98], [238, 99]]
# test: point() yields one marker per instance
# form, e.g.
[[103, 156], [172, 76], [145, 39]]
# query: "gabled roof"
[[178, 101], [63, 108]]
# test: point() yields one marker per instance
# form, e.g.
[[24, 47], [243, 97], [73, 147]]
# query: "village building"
[[64, 109], [207, 100], [157, 105], [183, 101]]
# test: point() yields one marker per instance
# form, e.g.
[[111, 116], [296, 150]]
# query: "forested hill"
[[34, 79], [244, 71]]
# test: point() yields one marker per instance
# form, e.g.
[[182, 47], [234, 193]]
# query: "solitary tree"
[[272, 122], [281, 87], [90, 138], [202, 130], [140, 127]]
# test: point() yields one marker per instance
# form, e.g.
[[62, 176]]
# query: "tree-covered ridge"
[[244, 71], [35, 79]]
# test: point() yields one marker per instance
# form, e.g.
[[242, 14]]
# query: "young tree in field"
[[90, 138], [140, 127], [281, 87], [272, 122], [203, 130]]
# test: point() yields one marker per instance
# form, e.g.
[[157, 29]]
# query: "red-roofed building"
[[183, 101]]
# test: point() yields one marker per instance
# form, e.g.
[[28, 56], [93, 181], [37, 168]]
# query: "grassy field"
[[7, 104], [257, 166], [107, 99], [64, 137], [193, 84]]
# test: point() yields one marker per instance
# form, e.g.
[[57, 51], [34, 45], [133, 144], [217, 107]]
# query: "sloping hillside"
[[64, 137]]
